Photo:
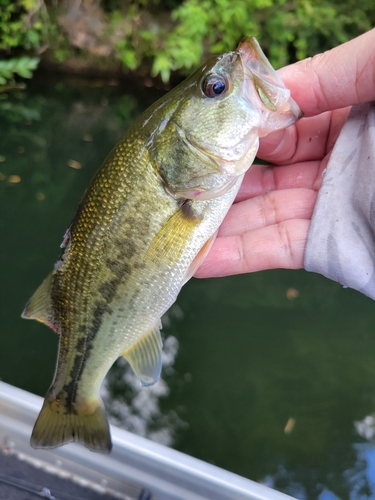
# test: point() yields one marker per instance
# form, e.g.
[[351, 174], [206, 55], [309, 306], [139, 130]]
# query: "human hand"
[[267, 226]]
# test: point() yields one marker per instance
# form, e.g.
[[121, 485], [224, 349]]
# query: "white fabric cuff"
[[341, 239]]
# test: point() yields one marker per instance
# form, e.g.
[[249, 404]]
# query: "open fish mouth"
[[264, 84]]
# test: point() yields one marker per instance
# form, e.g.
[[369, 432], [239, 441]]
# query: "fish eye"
[[214, 85]]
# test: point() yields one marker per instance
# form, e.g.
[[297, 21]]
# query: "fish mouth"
[[270, 89]]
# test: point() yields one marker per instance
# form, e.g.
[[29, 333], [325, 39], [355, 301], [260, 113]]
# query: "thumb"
[[330, 81], [279, 145], [335, 79]]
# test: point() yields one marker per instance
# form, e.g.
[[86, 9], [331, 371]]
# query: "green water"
[[242, 359]]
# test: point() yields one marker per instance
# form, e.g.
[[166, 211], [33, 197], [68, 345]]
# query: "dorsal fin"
[[40, 306], [145, 356]]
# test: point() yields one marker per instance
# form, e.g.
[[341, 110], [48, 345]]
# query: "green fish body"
[[143, 227]]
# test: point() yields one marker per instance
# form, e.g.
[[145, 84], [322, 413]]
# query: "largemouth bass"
[[143, 227]]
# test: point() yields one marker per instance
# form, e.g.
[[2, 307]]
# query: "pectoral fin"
[[199, 258], [40, 305], [170, 242], [145, 357]]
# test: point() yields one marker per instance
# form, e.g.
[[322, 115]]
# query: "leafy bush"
[[288, 30], [161, 37], [22, 29], [22, 24], [22, 66]]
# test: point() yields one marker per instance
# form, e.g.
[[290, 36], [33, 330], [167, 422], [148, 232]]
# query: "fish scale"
[[144, 225]]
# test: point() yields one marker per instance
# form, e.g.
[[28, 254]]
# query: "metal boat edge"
[[135, 463]]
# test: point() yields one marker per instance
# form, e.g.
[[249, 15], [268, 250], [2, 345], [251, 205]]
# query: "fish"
[[143, 227]]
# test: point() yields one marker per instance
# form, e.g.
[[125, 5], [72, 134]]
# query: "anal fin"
[[145, 356], [40, 306]]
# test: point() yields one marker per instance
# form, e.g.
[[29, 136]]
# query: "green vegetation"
[[22, 66], [23, 31], [161, 37]]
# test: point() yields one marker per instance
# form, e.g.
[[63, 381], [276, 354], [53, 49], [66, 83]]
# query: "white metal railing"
[[135, 462]]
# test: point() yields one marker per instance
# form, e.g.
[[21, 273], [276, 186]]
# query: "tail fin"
[[55, 427]]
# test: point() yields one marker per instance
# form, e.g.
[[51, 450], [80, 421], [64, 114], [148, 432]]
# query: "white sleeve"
[[341, 239]]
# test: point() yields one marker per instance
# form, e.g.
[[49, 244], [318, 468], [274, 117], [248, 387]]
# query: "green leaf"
[[22, 66]]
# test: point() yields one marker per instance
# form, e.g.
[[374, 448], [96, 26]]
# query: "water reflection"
[[358, 479], [327, 495]]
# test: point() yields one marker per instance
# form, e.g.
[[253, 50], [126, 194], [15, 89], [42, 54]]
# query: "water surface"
[[269, 375]]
